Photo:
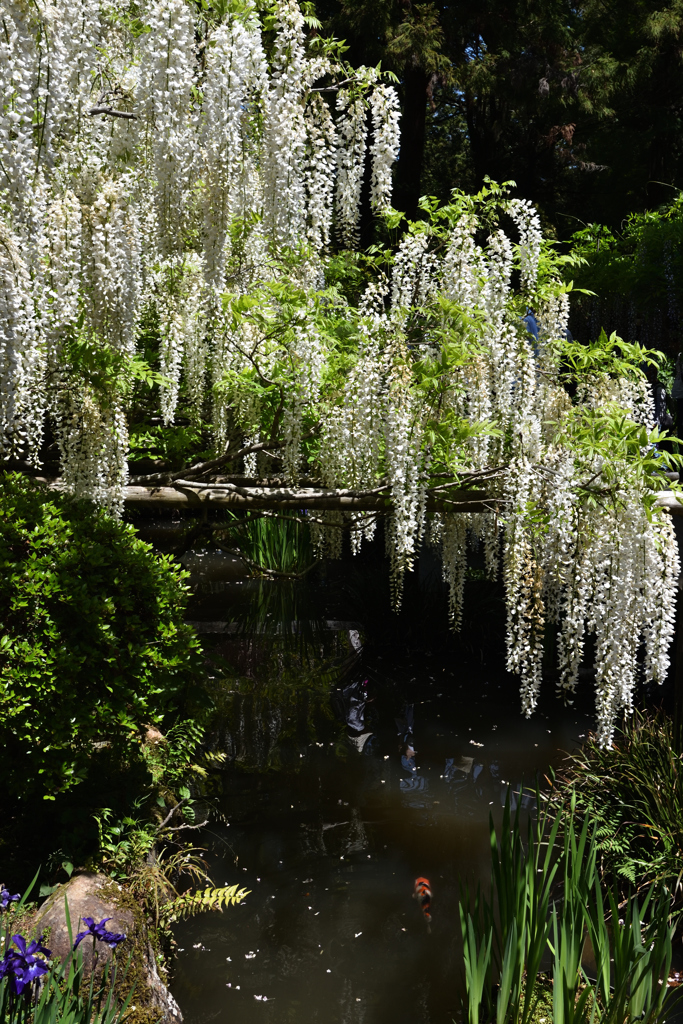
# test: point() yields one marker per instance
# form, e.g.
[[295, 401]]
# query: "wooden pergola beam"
[[192, 495], [188, 494]]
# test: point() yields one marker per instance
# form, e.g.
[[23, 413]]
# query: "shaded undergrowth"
[[633, 793]]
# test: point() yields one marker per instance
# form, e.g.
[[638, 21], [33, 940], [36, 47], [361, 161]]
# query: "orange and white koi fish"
[[422, 892]]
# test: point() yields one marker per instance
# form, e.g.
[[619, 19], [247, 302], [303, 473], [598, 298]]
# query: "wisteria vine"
[[164, 175]]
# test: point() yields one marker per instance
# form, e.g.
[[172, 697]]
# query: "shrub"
[[93, 647], [633, 793]]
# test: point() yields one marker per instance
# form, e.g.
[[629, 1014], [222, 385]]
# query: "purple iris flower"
[[22, 965], [6, 899], [98, 931]]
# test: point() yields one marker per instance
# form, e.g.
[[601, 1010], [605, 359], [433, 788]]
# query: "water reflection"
[[351, 773]]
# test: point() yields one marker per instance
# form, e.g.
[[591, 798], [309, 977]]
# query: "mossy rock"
[[96, 896]]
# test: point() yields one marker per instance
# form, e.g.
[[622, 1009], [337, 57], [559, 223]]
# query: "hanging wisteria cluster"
[[171, 177], [442, 338], [148, 162]]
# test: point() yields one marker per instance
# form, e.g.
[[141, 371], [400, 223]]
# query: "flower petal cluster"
[[99, 932], [24, 964], [385, 143], [6, 898]]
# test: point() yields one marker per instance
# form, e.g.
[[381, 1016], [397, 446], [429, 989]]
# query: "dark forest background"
[[579, 104]]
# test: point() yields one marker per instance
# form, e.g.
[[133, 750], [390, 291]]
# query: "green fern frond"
[[190, 903]]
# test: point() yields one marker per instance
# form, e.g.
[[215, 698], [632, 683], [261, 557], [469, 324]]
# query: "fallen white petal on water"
[[386, 758], [329, 971], [249, 955], [356, 934]]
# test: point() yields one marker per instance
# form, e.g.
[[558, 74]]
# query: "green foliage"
[[609, 355], [272, 545], [437, 338], [633, 793], [106, 370], [93, 647], [189, 904], [628, 450], [178, 770], [508, 935], [175, 444], [639, 266]]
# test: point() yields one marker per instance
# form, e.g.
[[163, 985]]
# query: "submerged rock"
[[96, 896]]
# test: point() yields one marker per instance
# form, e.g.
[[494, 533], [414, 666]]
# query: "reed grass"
[[273, 545], [546, 898]]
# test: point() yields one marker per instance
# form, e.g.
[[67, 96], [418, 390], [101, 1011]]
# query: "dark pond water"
[[329, 827]]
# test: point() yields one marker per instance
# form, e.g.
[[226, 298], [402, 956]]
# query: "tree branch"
[[332, 88], [202, 468], [171, 813], [177, 828], [113, 113]]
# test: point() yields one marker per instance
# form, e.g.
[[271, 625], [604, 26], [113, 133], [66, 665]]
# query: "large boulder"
[[96, 896]]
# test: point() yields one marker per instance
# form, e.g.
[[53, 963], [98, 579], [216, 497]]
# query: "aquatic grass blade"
[[477, 961]]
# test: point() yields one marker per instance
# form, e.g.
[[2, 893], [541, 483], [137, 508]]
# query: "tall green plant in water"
[[271, 545], [528, 916]]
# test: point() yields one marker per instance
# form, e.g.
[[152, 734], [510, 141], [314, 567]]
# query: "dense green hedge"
[[93, 646]]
